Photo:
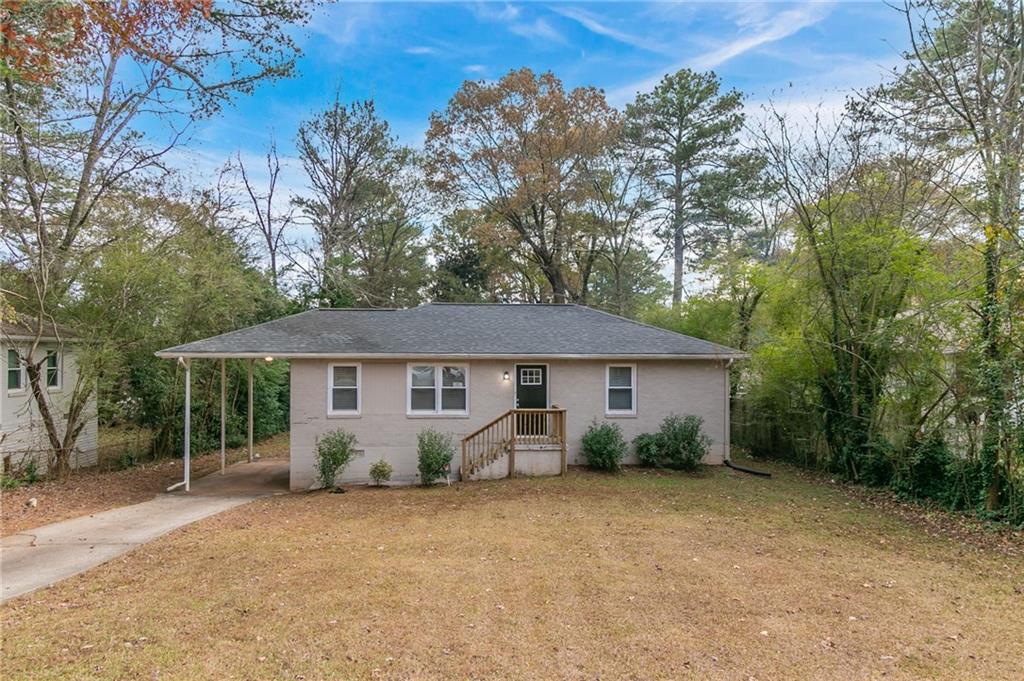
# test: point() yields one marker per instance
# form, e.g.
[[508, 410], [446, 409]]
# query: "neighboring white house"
[[22, 434], [515, 386]]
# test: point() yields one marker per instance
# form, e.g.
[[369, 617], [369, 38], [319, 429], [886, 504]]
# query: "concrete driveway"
[[45, 555]]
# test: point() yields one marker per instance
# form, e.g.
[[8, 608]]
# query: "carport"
[[186, 362]]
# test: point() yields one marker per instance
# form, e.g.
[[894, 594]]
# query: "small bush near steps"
[[334, 451], [435, 451], [604, 447], [380, 472]]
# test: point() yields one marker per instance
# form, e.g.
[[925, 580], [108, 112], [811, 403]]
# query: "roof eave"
[[184, 354]]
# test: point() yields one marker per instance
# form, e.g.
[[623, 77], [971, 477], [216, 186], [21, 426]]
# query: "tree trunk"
[[995, 397], [677, 241]]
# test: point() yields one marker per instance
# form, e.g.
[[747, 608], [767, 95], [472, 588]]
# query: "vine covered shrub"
[[647, 446], [604, 447], [924, 475], [334, 451], [681, 442], [380, 472], [435, 450]]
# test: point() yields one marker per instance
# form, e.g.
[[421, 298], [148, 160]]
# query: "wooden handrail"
[[516, 426], [486, 426]]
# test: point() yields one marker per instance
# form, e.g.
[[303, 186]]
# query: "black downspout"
[[742, 469]]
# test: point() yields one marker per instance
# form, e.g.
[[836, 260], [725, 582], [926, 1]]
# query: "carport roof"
[[454, 330]]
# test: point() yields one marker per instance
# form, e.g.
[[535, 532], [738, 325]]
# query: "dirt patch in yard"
[[642, 575], [92, 491]]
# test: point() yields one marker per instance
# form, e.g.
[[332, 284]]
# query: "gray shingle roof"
[[22, 326], [453, 329]]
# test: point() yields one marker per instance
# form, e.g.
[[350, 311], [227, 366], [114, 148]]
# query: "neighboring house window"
[[15, 371], [53, 373], [621, 389], [343, 384], [438, 389]]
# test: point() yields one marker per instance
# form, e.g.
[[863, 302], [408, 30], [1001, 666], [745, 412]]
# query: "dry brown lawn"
[[91, 491], [643, 575]]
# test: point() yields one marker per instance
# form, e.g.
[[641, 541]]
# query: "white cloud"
[[420, 49], [776, 27], [593, 24], [515, 22], [538, 29], [343, 24], [475, 68], [486, 10], [754, 33]]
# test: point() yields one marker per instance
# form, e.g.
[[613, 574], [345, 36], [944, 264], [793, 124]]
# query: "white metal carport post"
[[188, 420], [223, 412], [250, 410]]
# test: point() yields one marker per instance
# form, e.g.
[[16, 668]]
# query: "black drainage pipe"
[[733, 466]]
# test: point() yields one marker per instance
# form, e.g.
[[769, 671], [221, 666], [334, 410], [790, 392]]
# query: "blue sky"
[[410, 57]]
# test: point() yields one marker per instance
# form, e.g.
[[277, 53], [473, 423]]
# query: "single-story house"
[[514, 385], [23, 437]]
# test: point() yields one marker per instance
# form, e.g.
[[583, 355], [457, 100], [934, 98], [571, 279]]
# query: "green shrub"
[[380, 472], [923, 476], [681, 443], [435, 450], [334, 451], [604, 447], [127, 460], [25, 474], [30, 472], [647, 449]]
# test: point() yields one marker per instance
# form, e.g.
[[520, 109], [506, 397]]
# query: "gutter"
[[172, 354]]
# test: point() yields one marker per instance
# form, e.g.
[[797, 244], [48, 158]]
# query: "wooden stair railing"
[[516, 426]]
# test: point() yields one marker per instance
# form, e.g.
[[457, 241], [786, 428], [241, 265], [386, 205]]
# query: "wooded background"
[[869, 261]]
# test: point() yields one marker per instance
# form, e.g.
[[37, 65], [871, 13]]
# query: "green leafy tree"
[[864, 215], [692, 131], [75, 140], [962, 91], [366, 203]]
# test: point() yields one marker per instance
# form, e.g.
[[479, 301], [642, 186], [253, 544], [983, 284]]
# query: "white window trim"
[[438, 386], [21, 369], [608, 411], [330, 390], [60, 371]]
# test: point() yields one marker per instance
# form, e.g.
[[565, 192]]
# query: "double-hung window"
[[344, 389], [53, 370], [15, 371], [620, 389], [438, 389]]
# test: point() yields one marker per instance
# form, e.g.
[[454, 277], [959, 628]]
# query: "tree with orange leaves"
[[76, 82], [519, 150]]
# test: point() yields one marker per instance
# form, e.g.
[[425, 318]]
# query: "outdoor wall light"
[[268, 359], [505, 377]]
